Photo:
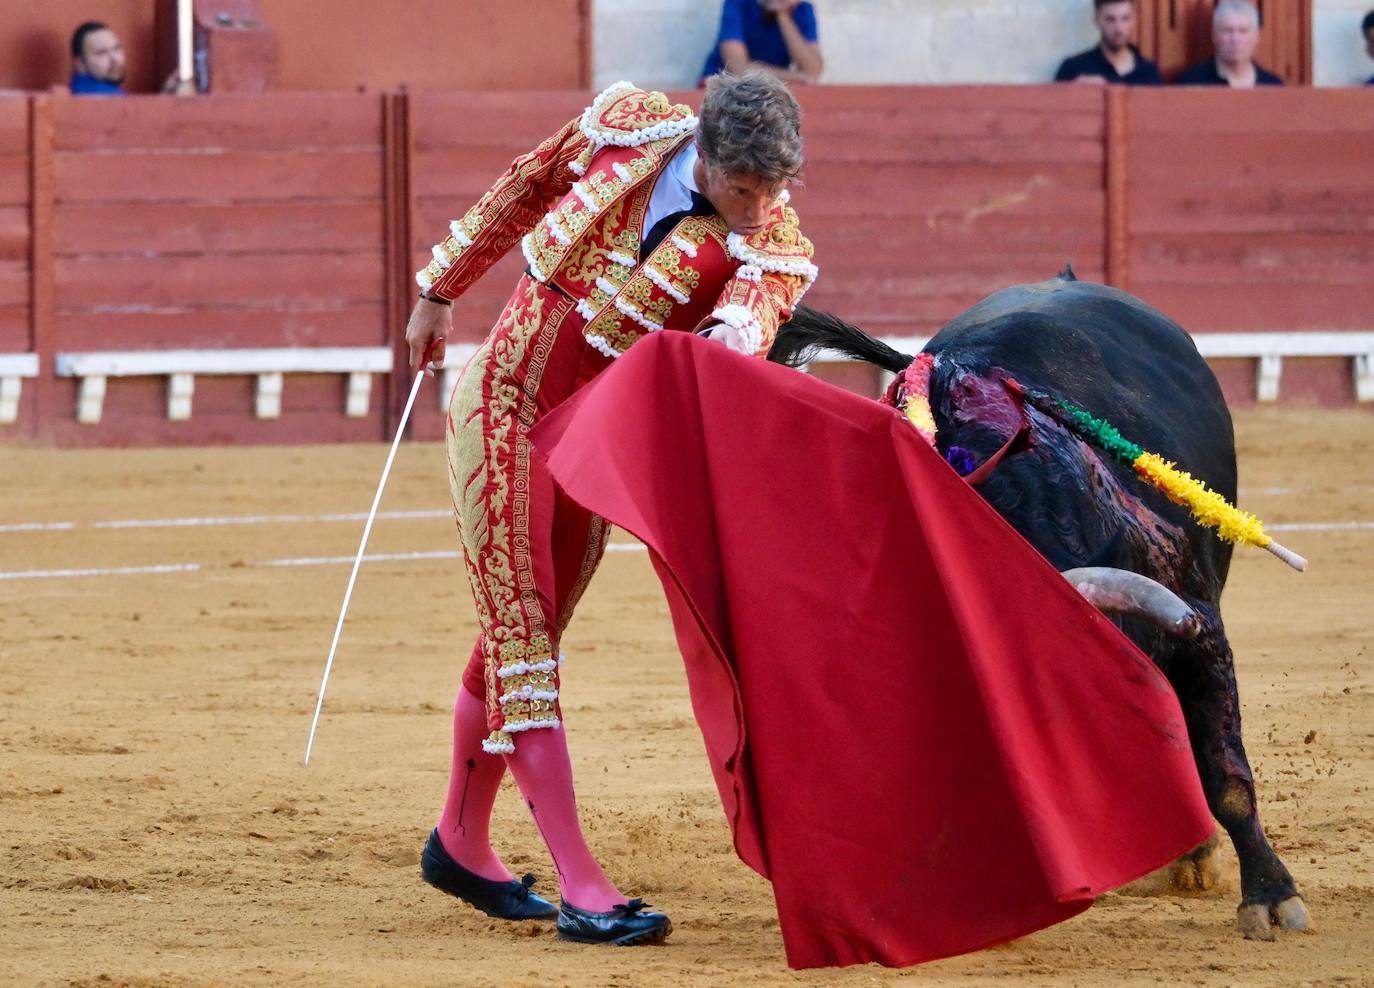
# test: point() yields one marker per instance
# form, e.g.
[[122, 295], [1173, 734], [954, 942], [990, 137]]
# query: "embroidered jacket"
[[577, 204]]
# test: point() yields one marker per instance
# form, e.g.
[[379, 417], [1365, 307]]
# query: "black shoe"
[[625, 925], [502, 900]]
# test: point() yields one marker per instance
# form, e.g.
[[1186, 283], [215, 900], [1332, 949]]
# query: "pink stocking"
[[465, 825], [543, 771]]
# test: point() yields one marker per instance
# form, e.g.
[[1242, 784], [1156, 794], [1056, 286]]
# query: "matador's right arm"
[[509, 210]]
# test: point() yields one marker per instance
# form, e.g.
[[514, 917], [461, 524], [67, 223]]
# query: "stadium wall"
[[929, 42], [567, 44], [295, 221], [341, 46]]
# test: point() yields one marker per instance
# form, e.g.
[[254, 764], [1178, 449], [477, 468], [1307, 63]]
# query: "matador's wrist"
[[436, 299]]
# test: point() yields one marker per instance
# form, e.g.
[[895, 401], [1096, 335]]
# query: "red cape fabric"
[[920, 733]]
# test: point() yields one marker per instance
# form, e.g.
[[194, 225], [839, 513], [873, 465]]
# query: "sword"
[[367, 530]]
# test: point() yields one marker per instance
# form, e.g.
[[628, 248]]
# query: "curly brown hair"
[[751, 125]]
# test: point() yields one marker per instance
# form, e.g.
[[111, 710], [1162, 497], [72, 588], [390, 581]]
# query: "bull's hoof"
[[1292, 913], [1256, 920]]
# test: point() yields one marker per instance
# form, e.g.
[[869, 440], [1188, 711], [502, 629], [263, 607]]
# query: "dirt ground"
[[157, 827]]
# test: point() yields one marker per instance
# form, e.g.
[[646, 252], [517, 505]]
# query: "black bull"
[[1112, 354]]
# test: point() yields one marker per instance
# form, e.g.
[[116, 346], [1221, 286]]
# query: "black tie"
[[701, 206]]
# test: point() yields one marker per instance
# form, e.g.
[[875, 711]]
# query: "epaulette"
[[626, 116], [779, 247]]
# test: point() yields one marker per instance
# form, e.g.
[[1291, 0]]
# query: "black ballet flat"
[[500, 900], [627, 924]]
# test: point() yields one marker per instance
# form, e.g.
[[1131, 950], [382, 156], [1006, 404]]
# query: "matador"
[[635, 218]]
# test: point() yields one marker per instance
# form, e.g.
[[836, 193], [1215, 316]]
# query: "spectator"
[[1235, 36], [1368, 27], [1113, 58], [97, 61], [776, 36]]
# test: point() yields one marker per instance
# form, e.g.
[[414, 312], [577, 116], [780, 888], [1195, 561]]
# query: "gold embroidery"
[[597, 529], [636, 110], [641, 293], [489, 453], [588, 259]]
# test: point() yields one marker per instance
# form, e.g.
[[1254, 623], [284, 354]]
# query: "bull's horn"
[[1119, 591]]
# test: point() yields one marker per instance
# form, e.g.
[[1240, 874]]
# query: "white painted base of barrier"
[[14, 367], [181, 367]]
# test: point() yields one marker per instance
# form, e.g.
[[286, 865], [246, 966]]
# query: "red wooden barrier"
[[231, 221], [1254, 212], [290, 220], [14, 225]]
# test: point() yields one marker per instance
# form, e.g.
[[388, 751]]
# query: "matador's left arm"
[[775, 272]]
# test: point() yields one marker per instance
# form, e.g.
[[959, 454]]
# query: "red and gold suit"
[[577, 203]]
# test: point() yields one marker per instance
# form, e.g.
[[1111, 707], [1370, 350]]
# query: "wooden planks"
[[922, 202], [297, 219], [294, 122], [1253, 210], [270, 227], [241, 221]]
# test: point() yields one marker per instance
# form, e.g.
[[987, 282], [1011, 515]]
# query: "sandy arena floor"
[[158, 828]]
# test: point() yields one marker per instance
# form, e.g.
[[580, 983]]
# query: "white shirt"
[[673, 190]]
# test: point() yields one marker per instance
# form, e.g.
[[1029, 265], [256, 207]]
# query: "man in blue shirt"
[[97, 61], [775, 36]]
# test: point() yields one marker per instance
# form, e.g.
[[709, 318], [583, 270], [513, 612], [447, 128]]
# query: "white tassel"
[[527, 248], [686, 246], [661, 280], [740, 318], [627, 309], [585, 194], [521, 668], [530, 725], [798, 266], [599, 344], [527, 693], [556, 228], [459, 234]]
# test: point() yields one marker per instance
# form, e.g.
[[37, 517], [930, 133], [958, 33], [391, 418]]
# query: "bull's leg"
[[1204, 677]]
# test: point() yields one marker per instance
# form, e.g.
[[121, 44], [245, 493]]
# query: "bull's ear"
[[1067, 274]]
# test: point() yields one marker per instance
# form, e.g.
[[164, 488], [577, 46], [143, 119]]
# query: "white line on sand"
[[266, 519], [1320, 526], [67, 526], [350, 516], [380, 557], [1277, 491], [44, 574]]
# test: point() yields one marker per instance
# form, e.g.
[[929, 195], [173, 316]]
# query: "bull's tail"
[[810, 331]]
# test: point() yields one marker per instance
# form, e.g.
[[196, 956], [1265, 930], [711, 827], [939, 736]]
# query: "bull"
[[1110, 353]]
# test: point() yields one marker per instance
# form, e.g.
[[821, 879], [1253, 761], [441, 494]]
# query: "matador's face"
[[743, 201]]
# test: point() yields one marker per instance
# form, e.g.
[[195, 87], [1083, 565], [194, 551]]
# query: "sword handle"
[[434, 344]]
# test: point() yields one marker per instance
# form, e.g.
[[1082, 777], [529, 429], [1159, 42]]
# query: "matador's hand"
[[728, 335], [429, 321]]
